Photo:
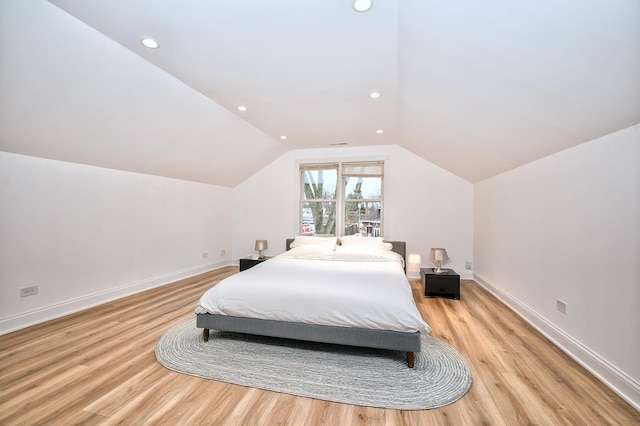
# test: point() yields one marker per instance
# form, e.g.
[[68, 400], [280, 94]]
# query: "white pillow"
[[362, 242], [364, 249], [387, 246], [306, 240], [311, 249]]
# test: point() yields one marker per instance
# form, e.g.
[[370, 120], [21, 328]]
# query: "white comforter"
[[330, 288]]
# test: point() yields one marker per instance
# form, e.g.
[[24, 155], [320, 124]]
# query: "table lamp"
[[438, 255], [261, 245]]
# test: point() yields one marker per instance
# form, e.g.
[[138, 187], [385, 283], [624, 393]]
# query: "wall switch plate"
[[205, 254], [29, 291], [223, 252], [468, 265], [561, 306]]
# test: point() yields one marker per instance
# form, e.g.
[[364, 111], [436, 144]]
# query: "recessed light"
[[375, 95], [242, 108], [362, 5], [150, 43], [283, 137], [379, 131]]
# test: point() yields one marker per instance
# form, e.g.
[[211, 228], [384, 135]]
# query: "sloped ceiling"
[[477, 88]]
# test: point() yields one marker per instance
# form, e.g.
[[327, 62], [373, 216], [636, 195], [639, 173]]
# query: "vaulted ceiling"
[[476, 87]]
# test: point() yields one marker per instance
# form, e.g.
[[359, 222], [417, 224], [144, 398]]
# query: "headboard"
[[399, 247]]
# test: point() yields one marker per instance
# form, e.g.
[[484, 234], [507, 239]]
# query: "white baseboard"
[[466, 275], [47, 313], [610, 375]]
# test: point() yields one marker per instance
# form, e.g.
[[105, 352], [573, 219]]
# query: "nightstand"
[[442, 285], [249, 262]]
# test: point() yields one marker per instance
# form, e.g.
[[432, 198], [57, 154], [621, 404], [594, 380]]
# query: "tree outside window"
[[319, 199]]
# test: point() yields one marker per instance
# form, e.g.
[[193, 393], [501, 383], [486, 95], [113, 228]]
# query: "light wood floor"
[[98, 367]]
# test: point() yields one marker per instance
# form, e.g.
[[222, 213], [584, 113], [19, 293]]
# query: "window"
[[359, 210], [319, 192], [362, 198]]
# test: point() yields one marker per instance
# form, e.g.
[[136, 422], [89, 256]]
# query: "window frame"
[[302, 168], [340, 200], [344, 175]]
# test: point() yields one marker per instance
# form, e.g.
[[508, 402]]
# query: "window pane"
[[368, 188], [320, 184], [362, 218], [318, 218]]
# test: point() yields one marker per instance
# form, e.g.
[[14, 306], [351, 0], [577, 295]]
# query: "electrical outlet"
[[29, 291], [468, 265], [561, 306], [223, 252], [205, 254]]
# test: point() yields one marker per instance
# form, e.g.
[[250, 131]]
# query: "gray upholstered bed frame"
[[380, 339]]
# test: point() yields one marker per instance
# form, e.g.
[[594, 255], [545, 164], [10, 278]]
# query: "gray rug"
[[357, 376]]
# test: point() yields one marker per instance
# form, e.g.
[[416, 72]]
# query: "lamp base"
[[439, 271]]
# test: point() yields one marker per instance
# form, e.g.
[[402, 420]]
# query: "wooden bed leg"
[[410, 359], [205, 334]]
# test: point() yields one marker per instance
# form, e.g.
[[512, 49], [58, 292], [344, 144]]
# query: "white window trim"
[[339, 190]]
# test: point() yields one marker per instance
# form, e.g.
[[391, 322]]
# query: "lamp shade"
[[414, 259], [413, 264], [439, 254], [261, 245]]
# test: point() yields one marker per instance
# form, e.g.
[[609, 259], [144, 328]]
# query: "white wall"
[[425, 205], [86, 235], [568, 227]]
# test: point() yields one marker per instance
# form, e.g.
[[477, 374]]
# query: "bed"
[[354, 293]]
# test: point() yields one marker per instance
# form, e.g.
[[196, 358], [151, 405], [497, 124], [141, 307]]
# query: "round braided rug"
[[350, 375]]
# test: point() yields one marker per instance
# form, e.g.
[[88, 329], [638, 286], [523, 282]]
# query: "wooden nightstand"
[[249, 262], [442, 285]]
